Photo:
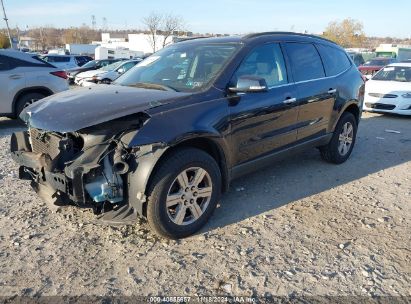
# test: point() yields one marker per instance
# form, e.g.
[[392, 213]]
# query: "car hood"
[[386, 87], [89, 74], [76, 109], [370, 67]]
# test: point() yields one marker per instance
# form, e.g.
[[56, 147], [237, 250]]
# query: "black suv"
[[165, 139]]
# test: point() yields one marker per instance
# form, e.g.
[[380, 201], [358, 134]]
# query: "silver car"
[[24, 79]]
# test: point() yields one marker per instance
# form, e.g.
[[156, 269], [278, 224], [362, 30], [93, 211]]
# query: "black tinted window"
[[4, 63], [56, 59], [305, 60], [266, 62], [335, 60]]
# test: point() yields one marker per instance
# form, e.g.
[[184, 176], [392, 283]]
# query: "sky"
[[380, 18]]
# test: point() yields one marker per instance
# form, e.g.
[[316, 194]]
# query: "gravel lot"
[[300, 227]]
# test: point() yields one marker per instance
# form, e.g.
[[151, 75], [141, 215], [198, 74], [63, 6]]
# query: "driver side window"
[[265, 61]]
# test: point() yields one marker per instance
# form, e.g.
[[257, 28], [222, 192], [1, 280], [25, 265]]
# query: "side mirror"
[[121, 71], [252, 84]]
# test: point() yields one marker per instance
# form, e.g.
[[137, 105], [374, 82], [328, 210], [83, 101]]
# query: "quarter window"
[[305, 61], [265, 61], [335, 60]]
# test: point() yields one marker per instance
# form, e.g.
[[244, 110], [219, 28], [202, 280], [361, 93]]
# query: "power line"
[[7, 24]]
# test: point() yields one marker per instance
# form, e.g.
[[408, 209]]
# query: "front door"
[[262, 122], [11, 81]]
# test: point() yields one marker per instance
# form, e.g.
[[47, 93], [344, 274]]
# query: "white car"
[[24, 79], [66, 61], [389, 91], [106, 74]]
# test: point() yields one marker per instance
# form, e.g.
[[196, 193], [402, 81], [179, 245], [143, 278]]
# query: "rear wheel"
[[183, 193], [340, 147], [26, 100]]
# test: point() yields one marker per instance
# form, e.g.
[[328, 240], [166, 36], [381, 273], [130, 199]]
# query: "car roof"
[[20, 55], [382, 58], [401, 64], [257, 36]]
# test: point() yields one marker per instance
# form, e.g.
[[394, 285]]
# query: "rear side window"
[[335, 60], [305, 61], [4, 63], [57, 59]]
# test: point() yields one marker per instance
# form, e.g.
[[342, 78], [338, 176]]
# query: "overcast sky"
[[380, 18]]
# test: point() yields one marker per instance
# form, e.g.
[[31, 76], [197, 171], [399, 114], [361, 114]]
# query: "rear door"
[[316, 92], [12, 80], [265, 121]]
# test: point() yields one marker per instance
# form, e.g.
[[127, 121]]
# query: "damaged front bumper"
[[45, 159], [98, 174]]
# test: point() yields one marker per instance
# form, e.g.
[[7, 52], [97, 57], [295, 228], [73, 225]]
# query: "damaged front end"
[[89, 167]]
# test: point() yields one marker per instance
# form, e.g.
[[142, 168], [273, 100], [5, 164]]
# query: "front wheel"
[[183, 193], [342, 143]]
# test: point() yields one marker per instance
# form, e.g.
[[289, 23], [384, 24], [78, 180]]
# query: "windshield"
[[111, 67], [394, 73], [90, 64], [378, 62], [180, 67]]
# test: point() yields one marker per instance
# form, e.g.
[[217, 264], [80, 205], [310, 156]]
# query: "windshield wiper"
[[155, 86]]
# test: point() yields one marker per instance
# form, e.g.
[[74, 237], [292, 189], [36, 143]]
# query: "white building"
[[139, 44]]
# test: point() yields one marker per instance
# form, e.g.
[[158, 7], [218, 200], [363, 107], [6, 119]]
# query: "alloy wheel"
[[189, 196], [345, 139]]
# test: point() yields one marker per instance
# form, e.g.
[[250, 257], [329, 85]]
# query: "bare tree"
[[153, 22], [170, 25]]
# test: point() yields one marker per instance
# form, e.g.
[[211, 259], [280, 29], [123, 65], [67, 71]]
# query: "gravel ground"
[[300, 227]]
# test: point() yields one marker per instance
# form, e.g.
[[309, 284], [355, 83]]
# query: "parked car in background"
[[374, 65], [66, 61], [89, 66], [389, 91], [357, 58], [166, 138], [24, 79], [106, 74]]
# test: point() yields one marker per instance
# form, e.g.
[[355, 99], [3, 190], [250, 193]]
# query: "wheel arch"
[[38, 89], [351, 107], [150, 165]]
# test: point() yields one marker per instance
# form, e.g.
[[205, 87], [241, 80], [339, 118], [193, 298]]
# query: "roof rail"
[[191, 38], [255, 35]]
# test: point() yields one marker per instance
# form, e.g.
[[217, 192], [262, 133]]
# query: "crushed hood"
[[76, 109]]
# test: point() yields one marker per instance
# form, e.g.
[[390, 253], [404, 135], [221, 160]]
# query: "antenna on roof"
[[7, 24]]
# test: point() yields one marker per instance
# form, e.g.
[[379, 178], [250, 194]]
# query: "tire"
[[26, 100], [188, 210], [334, 152]]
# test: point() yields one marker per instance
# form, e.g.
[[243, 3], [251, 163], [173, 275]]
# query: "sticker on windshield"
[[149, 60], [389, 69]]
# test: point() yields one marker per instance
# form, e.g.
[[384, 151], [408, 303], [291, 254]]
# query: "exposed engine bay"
[[88, 167]]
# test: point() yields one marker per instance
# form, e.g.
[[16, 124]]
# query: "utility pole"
[[7, 24]]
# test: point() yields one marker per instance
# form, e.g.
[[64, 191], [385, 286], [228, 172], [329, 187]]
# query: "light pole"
[[7, 24]]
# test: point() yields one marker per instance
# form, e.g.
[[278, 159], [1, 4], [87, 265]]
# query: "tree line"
[[348, 33]]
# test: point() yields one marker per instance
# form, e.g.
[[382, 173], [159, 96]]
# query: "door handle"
[[332, 91], [289, 100], [15, 76]]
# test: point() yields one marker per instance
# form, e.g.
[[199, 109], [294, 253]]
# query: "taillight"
[[61, 74]]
